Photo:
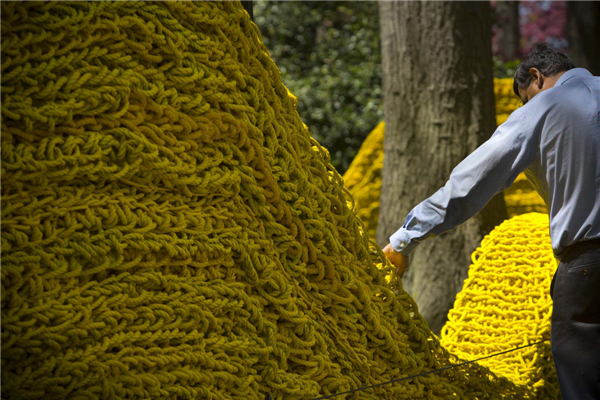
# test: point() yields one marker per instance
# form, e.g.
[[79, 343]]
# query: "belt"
[[577, 249]]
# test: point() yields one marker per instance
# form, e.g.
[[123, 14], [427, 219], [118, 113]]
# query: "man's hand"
[[399, 260]]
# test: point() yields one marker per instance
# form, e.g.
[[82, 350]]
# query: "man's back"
[[566, 171]]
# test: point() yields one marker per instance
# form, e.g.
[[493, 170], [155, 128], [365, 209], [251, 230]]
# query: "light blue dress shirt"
[[555, 139]]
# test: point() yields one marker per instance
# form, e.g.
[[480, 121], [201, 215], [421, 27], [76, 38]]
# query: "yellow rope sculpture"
[[363, 177], [171, 231], [505, 99], [521, 198], [505, 302]]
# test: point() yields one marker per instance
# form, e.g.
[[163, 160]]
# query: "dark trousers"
[[575, 338]]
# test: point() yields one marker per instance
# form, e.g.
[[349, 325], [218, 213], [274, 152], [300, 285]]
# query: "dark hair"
[[546, 59]]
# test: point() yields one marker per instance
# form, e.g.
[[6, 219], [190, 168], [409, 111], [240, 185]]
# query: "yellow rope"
[[363, 179], [521, 198], [505, 302], [170, 230], [506, 101]]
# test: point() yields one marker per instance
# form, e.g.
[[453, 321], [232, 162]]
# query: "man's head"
[[539, 71]]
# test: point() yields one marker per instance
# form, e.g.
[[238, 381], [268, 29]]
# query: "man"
[[555, 138]]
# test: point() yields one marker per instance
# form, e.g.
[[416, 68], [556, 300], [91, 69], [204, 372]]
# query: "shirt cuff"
[[401, 242]]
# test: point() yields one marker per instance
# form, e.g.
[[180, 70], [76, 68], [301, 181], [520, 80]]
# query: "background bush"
[[329, 58]]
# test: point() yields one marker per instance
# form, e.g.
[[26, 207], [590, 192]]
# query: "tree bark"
[[507, 24], [248, 6], [583, 34], [438, 108]]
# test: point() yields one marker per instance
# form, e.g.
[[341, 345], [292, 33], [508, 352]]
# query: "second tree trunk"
[[438, 107]]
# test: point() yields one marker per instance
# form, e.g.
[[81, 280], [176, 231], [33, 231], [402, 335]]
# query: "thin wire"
[[426, 373]]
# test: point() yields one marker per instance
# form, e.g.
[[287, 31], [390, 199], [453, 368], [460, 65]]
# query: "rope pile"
[[505, 302], [363, 177], [521, 198], [170, 230], [505, 99]]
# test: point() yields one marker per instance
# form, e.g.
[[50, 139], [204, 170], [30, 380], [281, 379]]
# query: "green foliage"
[[505, 69], [329, 57]]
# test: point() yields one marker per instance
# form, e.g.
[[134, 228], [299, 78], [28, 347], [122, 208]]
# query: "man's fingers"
[[397, 259]]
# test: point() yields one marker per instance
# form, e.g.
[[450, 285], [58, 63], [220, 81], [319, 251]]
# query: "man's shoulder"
[[574, 75], [580, 91], [579, 80]]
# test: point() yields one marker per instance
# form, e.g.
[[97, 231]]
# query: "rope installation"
[[171, 229]]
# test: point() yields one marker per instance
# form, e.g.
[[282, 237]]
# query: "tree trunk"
[[507, 23], [248, 6], [583, 34], [438, 108]]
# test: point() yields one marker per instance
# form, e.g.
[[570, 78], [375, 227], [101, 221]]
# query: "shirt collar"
[[571, 74]]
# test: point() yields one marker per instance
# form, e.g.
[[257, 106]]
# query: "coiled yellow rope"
[[363, 177], [171, 231], [505, 302], [521, 198], [506, 101]]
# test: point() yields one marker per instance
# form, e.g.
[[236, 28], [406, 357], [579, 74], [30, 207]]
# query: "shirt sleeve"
[[491, 168]]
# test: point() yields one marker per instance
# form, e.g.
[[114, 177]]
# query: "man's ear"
[[536, 77]]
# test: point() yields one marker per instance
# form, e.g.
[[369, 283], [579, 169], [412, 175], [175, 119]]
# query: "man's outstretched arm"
[[491, 168]]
